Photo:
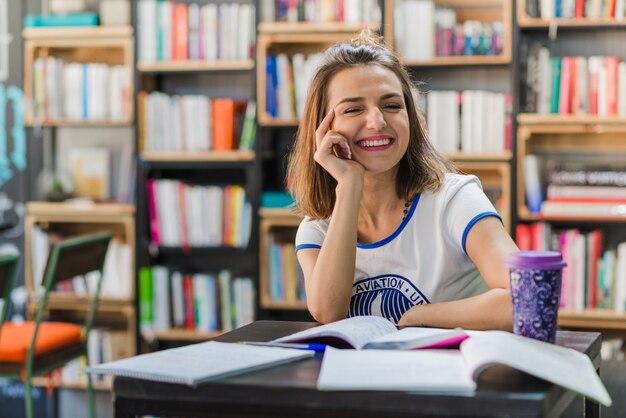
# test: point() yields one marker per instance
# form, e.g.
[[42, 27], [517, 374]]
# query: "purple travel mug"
[[535, 289]]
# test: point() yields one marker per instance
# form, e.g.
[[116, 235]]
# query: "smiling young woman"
[[391, 229]]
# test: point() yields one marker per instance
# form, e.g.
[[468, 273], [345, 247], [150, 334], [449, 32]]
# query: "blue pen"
[[318, 348]]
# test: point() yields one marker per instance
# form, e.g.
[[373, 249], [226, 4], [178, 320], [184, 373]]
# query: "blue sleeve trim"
[[473, 222], [303, 246]]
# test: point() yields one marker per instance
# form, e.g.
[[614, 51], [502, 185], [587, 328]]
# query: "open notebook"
[[198, 363]]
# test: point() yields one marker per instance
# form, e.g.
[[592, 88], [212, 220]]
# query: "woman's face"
[[371, 114]]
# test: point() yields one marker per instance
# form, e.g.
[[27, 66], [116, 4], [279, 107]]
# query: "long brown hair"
[[312, 187]]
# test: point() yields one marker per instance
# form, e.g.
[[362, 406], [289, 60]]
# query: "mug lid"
[[535, 260]]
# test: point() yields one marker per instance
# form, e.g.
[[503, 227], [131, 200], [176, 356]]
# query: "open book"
[[375, 332], [198, 363], [457, 370]]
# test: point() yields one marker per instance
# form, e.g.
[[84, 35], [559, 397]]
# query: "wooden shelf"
[[590, 319], [279, 214], [78, 123], [71, 210], [275, 304], [561, 120], [524, 214], [266, 120], [61, 300], [198, 156], [77, 32], [458, 61], [306, 27], [577, 23], [194, 66], [495, 156], [180, 335], [105, 386]]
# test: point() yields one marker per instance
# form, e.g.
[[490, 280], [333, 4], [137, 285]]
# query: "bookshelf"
[[447, 70], [99, 62], [116, 310], [570, 127], [111, 46], [279, 287], [181, 77], [278, 227]]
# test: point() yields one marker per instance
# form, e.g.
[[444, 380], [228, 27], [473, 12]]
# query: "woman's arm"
[[329, 272], [487, 244]]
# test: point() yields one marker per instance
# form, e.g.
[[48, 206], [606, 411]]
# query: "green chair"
[[8, 267], [35, 348]]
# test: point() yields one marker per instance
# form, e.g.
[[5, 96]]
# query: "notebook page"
[[426, 370], [418, 337], [357, 330], [197, 363], [562, 366]]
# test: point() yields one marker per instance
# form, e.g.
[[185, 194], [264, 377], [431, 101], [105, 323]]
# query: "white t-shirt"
[[424, 260]]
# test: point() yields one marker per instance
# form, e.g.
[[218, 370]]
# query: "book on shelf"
[[442, 32], [195, 364], [248, 130], [452, 370], [578, 208], [595, 277], [574, 85], [344, 11], [201, 302], [189, 216], [575, 9], [375, 332], [180, 31], [91, 172]]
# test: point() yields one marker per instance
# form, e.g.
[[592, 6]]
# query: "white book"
[[620, 279], [546, 9], [178, 309], [161, 298], [432, 111], [375, 332], [147, 22], [193, 16], [458, 370], [620, 9], [466, 120], [545, 81], [285, 99], [244, 31], [198, 363], [210, 31]]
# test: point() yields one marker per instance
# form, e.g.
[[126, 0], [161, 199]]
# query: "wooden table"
[[289, 390]]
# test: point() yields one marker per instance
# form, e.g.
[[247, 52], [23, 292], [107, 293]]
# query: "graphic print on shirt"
[[389, 296]]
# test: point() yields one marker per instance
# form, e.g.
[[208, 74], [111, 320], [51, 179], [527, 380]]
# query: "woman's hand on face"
[[333, 152]]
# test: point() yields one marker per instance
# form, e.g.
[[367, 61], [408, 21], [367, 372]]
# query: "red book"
[[579, 10], [226, 116], [523, 237], [180, 32], [190, 319], [564, 88], [574, 93], [611, 64]]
